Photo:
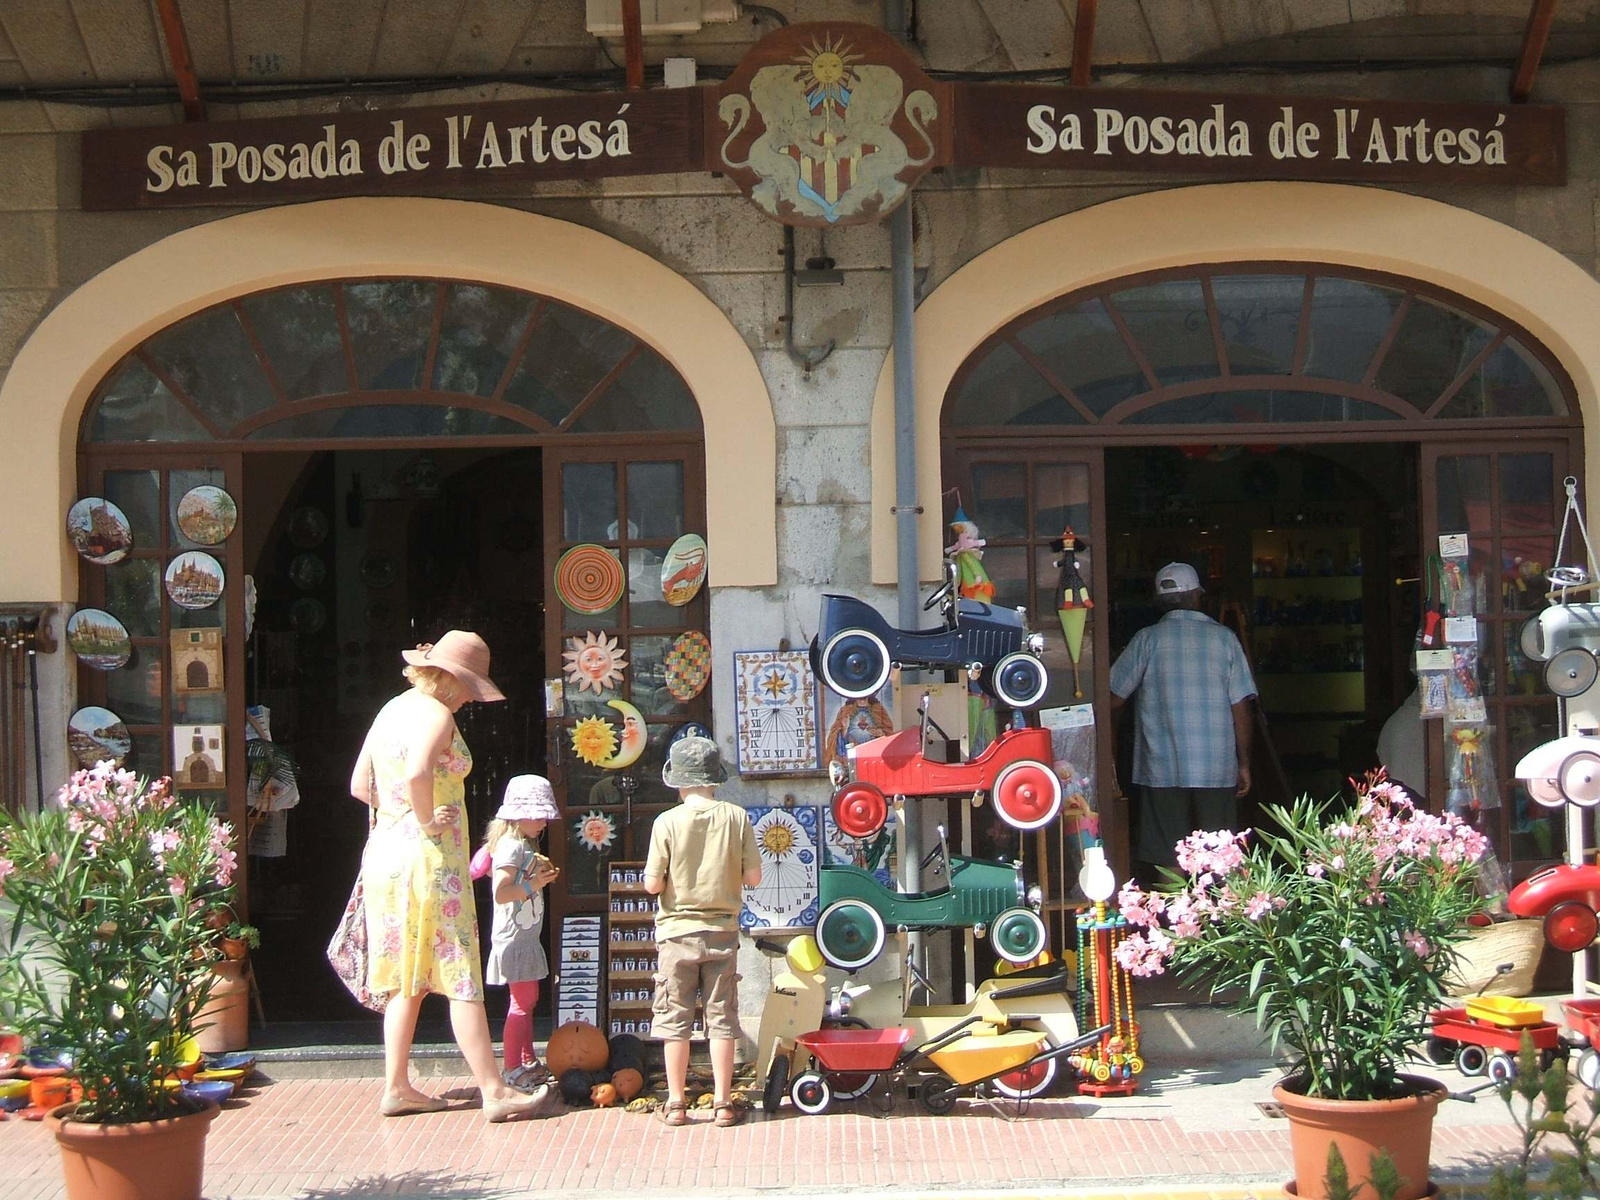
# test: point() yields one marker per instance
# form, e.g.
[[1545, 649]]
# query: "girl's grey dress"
[[515, 952]]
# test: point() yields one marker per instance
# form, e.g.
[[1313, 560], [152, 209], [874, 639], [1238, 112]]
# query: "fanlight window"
[[1242, 345], [399, 358]]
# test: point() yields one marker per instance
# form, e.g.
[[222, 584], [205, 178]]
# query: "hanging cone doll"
[[972, 581], [1072, 599]]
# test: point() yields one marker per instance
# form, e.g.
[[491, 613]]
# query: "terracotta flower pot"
[[225, 1020], [1360, 1128], [149, 1160]]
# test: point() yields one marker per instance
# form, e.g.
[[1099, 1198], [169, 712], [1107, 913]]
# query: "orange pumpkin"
[[603, 1095], [577, 1044], [628, 1083]]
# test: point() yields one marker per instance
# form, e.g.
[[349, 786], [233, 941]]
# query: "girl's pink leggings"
[[518, 1036]]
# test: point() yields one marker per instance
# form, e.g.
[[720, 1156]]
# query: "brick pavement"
[[310, 1139]]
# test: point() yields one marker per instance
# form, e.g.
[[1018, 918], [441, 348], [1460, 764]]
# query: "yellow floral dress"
[[422, 924]]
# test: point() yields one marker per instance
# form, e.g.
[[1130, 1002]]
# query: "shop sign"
[[1257, 136], [828, 123], [454, 149]]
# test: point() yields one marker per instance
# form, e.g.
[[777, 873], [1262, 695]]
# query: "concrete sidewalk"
[[1191, 1132]]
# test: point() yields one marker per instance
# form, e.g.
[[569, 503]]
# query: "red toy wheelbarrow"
[[848, 1064], [1583, 1016], [1485, 1036]]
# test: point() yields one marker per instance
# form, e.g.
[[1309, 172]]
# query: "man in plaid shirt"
[[1191, 758]]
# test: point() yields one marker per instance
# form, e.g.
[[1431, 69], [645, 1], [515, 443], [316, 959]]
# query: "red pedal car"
[[1568, 899], [1014, 769]]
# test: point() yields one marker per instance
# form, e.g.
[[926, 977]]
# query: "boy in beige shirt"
[[700, 853]]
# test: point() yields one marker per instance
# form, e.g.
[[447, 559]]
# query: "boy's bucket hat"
[[694, 762]]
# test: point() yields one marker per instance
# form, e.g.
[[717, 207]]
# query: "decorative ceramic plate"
[[378, 570], [308, 527], [589, 579], [96, 734], [307, 615], [194, 580], [99, 530], [207, 515], [683, 570], [307, 571], [688, 665], [99, 639]]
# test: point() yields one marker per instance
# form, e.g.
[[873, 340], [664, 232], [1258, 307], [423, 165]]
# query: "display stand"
[[1105, 998], [630, 962]]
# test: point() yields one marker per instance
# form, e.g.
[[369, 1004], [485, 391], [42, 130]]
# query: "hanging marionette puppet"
[[972, 581], [1072, 599]]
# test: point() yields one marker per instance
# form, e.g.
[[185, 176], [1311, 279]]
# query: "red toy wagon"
[[1485, 1036]]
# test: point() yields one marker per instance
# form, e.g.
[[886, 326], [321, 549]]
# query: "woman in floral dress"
[[422, 924]]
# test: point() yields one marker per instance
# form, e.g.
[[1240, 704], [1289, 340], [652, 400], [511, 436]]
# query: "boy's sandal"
[[529, 1077], [675, 1113], [727, 1114]]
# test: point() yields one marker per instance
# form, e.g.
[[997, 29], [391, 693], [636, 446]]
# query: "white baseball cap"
[[1177, 577]]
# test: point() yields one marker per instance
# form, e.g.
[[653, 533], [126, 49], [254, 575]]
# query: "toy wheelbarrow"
[[966, 1061], [1584, 1018], [849, 1063]]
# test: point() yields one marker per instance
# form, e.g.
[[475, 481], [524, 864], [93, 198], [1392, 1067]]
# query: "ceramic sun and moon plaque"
[[775, 711]]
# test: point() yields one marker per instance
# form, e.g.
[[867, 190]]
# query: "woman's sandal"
[[728, 1115], [675, 1113]]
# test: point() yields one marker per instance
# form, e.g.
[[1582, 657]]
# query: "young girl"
[[516, 957]]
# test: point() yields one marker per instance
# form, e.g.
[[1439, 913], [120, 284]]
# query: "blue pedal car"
[[855, 647]]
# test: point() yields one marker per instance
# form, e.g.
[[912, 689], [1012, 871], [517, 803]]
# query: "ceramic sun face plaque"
[[589, 579], [683, 570], [99, 639], [99, 530], [595, 662], [207, 515], [194, 580]]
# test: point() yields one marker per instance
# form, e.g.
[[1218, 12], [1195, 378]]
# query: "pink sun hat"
[[528, 798]]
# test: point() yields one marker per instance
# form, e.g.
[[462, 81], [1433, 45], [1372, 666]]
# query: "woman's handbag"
[[348, 951]]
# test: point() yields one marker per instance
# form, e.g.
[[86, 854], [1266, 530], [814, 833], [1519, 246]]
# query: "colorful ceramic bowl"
[[214, 1090], [238, 1060], [234, 1078], [10, 1089]]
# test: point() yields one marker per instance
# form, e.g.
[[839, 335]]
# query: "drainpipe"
[[902, 263]]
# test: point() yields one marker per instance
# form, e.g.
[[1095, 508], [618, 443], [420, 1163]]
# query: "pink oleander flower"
[[6, 867], [1417, 944], [1215, 853], [1258, 906], [227, 864], [1138, 906], [177, 885], [1316, 871], [1144, 954]]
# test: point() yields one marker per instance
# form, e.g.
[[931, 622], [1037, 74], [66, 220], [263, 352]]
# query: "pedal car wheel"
[[1027, 795], [810, 1092], [853, 1087], [859, 810], [849, 934], [855, 663], [1019, 679], [1027, 1082], [938, 1097], [1439, 1050], [777, 1084], [1570, 926], [1470, 1059], [1017, 935], [1588, 1071], [1501, 1068]]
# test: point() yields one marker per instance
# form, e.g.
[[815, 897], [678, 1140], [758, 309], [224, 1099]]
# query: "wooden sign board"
[[454, 149], [828, 123], [1257, 137]]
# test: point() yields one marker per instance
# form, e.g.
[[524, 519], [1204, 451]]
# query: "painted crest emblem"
[[834, 132]]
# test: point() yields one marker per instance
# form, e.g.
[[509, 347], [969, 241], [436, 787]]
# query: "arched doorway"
[[1302, 433], [396, 456]]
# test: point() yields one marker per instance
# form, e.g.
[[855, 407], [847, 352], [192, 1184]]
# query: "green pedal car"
[[988, 897]]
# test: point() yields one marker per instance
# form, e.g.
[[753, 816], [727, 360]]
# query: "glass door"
[[633, 669], [1021, 502], [176, 680], [1507, 499]]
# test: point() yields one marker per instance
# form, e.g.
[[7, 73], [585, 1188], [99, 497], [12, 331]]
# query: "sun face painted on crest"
[[595, 662], [826, 70]]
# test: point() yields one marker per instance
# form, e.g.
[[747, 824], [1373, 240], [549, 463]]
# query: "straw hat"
[[464, 655]]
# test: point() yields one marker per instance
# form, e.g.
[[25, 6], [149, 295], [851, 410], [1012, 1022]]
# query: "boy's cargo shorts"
[[703, 964]]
